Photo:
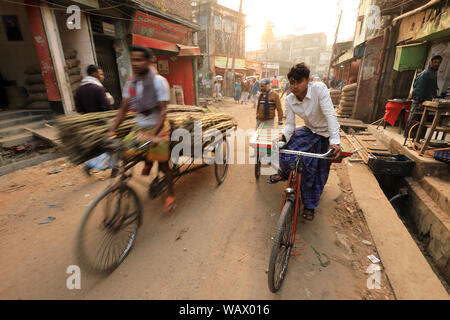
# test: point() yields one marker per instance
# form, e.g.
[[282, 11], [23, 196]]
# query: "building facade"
[[286, 51], [221, 36]]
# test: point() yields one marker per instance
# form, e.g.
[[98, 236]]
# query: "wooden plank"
[[361, 152], [48, 134], [430, 104], [371, 145]]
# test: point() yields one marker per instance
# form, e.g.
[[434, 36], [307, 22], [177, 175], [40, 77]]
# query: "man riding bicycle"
[[147, 93], [312, 102]]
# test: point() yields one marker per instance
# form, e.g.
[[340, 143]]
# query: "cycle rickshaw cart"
[[116, 213]]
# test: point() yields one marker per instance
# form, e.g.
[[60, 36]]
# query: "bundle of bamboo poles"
[[83, 135]]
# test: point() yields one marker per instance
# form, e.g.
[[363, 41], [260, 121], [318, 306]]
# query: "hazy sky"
[[296, 17]]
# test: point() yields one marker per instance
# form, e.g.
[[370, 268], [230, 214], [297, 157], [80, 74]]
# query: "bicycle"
[[117, 212], [283, 240]]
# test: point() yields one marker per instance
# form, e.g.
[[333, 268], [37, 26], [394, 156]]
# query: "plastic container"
[[390, 164]]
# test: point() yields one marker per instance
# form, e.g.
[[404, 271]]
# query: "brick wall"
[[181, 8]]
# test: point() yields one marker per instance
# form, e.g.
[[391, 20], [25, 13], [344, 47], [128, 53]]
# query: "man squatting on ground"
[[147, 93], [312, 102]]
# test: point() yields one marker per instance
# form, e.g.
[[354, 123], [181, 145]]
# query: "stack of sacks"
[[37, 93], [73, 69], [347, 100], [335, 96]]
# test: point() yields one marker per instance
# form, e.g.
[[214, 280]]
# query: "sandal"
[[275, 178], [169, 205], [308, 214]]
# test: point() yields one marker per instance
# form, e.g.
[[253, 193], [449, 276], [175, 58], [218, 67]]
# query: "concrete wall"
[[16, 56], [79, 40]]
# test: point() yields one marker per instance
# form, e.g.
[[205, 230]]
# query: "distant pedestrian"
[[286, 89], [217, 89], [237, 91], [245, 91], [254, 91], [275, 83]]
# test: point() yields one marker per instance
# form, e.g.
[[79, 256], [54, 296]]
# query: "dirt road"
[[223, 253]]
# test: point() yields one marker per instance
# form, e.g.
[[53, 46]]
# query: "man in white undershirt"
[[312, 102]]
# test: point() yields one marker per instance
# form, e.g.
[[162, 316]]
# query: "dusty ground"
[[223, 254]]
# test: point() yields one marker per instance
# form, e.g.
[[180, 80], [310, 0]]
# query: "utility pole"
[[236, 38], [334, 45]]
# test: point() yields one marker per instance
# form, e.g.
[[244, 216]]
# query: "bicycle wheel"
[[109, 229], [221, 170], [257, 167], [281, 249]]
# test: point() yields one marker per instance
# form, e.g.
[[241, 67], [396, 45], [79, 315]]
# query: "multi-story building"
[[218, 42], [285, 51]]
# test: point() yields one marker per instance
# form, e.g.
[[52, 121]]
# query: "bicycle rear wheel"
[[109, 229], [281, 249]]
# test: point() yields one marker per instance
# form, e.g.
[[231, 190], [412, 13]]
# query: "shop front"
[[269, 70], [175, 56], [27, 73], [253, 68]]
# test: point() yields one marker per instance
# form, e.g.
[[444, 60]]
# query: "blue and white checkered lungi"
[[315, 171]]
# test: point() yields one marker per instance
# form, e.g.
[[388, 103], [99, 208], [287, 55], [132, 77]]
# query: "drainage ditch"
[[397, 191]]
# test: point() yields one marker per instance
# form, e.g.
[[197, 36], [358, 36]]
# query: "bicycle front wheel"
[[257, 167], [281, 249], [221, 169], [109, 229]]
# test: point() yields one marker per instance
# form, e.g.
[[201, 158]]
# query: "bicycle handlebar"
[[326, 155]]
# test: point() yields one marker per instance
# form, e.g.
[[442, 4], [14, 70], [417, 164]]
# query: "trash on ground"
[[180, 233], [341, 240], [373, 258], [55, 171], [48, 220], [52, 205], [242, 258], [319, 257], [367, 243]]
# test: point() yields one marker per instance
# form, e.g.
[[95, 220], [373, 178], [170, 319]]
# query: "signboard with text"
[[221, 62], [156, 28]]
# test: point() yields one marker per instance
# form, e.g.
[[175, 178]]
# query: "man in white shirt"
[[312, 102]]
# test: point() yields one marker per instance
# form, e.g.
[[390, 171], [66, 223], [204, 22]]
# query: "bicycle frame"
[[292, 194]]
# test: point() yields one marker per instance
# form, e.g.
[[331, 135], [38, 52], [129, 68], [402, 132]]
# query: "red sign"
[[156, 28], [42, 50]]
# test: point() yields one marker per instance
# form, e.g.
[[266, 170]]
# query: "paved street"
[[223, 253]]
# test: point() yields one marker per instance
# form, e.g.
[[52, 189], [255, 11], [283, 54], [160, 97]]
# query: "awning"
[[154, 43], [188, 51], [419, 9], [182, 50]]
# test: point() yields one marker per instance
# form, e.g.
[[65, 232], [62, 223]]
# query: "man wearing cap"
[[268, 101]]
